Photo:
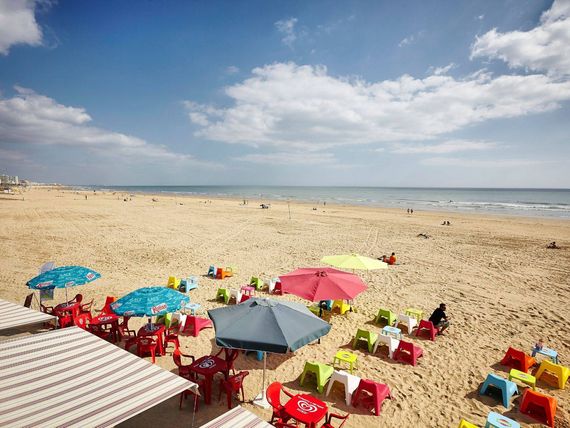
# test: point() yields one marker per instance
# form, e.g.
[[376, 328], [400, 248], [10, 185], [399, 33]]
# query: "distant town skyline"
[[372, 93]]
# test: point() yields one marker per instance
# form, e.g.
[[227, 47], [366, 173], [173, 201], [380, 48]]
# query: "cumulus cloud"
[[292, 107], [18, 24], [287, 28], [451, 146], [288, 158], [31, 118], [545, 48], [232, 69], [438, 71], [411, 39]]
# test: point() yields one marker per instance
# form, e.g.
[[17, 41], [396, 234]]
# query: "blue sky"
[[377, 93]]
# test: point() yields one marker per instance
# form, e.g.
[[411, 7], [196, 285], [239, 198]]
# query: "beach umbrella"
[[316, 284], [63, 277], [354, 261], [266, 325], [149, 301]]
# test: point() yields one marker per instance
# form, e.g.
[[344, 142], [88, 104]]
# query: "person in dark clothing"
[[439, 319]]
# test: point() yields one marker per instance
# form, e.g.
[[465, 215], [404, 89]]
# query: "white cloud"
[[287, 28], [30, 118], [481, 17], [480, 163], [544, 48], [438, 71], [18, 24], [451, 146], [290, 107], [232, 69], [288, 158], [412, 38]]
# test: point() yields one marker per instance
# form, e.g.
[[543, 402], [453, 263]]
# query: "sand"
[[501, 285]]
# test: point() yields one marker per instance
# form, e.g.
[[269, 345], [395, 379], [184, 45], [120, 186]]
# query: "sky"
[[436, 93]]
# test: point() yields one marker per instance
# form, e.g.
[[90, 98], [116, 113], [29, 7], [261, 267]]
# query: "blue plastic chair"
[[212, 271], [507, 388]]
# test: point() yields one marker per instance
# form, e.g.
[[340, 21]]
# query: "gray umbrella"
[[266, 325]]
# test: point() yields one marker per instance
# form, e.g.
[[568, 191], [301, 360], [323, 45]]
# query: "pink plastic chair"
[[408, 353], [427, 326], [371, 394], [194, 325]]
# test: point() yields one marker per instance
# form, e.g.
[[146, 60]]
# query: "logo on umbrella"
[[159, 308], [44, 284], [69, 284], [90, 276]]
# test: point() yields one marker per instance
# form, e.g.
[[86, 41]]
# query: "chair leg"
[[229, 393]]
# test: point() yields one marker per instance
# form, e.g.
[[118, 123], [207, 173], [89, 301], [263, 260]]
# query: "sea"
[[526, 202]]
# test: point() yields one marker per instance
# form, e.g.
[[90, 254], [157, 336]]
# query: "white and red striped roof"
[[237, 417], [13, 315], [72, 378]]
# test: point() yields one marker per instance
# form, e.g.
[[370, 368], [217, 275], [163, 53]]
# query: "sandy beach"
[[501, 285]]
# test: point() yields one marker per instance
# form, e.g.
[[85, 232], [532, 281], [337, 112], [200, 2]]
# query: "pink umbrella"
[[317, 284]]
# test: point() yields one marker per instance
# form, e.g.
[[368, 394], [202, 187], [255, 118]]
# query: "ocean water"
[[528, 202]]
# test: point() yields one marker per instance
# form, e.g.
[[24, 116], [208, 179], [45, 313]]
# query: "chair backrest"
[[81, 321], [177, 358], [406, 346], [147, 341], [78, 298], [273, 395], [46, 267], [237, 380], [172, 282], [28, 301], [107, 307]]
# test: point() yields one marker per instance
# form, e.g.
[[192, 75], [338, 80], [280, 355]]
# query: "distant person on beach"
[[553, 246], [390, 260], [408, 210], [411, 210], [439, 319], [537, 347]]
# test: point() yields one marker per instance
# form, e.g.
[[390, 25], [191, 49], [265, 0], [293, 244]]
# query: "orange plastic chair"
[[516, 359], [539, 406]]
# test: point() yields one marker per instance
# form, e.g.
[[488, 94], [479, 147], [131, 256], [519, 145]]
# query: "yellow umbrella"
[[354, 261]]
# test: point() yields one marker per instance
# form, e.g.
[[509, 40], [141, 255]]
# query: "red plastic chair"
[[194, 325], [371, 394], [244, 297], [328, 423], [124, 330], [85, 308], [185, 394], [427, 326], [183, 370], [278, 288], [82, 321], [77, 299], [233, 385], [273, 395], [539, 406], [28, 301], [66, 319], [106, 309], [171, 336], [408, 353], [516, 359], [280, 424], [230, 356], [147, 345]]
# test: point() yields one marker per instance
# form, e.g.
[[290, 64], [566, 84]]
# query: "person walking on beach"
[[439, 319]]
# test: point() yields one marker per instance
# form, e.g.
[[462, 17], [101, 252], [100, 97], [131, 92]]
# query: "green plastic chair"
[[322, 372], [388, 316], [223, 293], [365, 335], [256, 282]]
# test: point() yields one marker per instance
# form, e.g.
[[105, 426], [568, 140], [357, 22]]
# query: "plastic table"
[[306, 409], [392, 331], [111, 320], [496, 420], [416, 313], [208, 366], [347, 357], [523, 377], [550, 353], [158, 332]]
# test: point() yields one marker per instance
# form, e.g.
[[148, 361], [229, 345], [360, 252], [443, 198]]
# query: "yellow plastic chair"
[[465, 424], [224, 294], [173, 282], [561, 372], [342, 306]]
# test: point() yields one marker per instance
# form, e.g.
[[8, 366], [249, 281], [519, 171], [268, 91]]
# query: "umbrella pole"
[[261, 399]]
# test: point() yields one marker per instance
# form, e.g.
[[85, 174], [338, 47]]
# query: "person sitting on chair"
[[552, 246], [439, 319], [392, 259]]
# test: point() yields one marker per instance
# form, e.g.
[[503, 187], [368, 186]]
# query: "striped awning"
[[13, 315], [237, 417], [72, 378]]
